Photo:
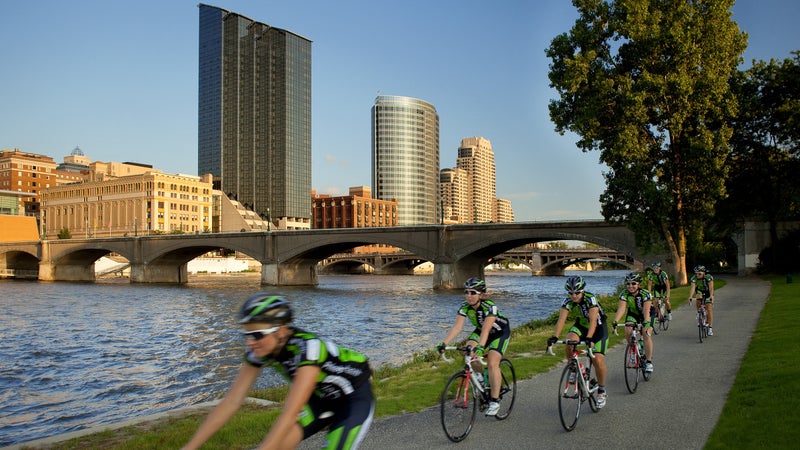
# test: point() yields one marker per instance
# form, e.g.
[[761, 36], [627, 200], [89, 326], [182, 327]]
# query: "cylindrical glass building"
[[405, 157]]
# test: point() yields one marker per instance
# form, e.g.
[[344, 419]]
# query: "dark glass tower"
[[254, 114]]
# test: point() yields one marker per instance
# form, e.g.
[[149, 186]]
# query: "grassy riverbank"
[[758, 411]]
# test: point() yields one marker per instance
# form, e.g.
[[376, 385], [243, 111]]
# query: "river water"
[[77, 355]]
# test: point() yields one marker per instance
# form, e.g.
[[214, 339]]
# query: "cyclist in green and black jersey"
[[702, 290], [330, 385], [491, 334], [658, 285], [589, 326], [634, 304]]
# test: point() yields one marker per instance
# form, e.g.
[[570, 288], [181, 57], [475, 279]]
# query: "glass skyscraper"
[[405, 157], [254, 115]]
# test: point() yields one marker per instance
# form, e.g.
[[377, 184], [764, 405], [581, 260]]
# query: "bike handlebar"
[[576, 343], [466, 350]]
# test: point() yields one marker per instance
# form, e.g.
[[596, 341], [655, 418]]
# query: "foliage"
[[64, 233], [645, 82], [766, 146], [783, 256]]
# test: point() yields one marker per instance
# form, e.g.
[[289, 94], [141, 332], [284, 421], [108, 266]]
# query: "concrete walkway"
[[686, 393]]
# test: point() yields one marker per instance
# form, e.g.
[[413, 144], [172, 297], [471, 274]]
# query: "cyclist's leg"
[[496, 347], [648, 344], [352, 419], [710, 311]]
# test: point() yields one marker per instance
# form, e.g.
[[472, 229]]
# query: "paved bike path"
[[686, 394]]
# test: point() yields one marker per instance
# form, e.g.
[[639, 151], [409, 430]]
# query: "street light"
[[269, 219]]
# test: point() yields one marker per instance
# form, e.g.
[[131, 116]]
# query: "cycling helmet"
[[655, 264], [633, 277], [700, 268], [575, 283], [266, 308], [476, 284]]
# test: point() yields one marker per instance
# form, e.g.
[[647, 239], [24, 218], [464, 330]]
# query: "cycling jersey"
[[659, 282], [635, 304], [343, 370], [501, 329], [342, 401], [702, 285], [581, 325]]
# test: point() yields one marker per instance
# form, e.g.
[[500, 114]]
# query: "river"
[[77, 355]]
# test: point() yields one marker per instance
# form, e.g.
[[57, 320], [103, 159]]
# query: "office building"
[[356, 210], [405, 157], [254, 115], [468, 191]]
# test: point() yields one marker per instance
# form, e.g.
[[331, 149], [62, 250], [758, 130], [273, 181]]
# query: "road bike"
[[634, 362], [702, 320], [468, 392], [660, 318], [577, 384]]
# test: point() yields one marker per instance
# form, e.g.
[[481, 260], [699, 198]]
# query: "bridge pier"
[[274, 274], [453, 275], [159, 273], [66, 272]]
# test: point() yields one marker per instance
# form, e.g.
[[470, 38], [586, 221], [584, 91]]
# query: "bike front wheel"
[[569, 397], [701, 328], [458, 407], [508, 389], [631, 367]]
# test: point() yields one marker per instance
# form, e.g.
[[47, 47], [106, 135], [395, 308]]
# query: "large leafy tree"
[[765, 146], [645, 82]]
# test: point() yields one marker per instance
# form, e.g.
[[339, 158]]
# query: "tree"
[[64, 233], [645, 82], [765, 147]]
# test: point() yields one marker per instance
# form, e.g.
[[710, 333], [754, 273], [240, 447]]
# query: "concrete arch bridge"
[[290, 257]]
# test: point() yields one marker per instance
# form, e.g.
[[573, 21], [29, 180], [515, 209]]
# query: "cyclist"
[[491, 334], [635, 304], [589, 326], [330, 385], [702, 290], [658, 285]]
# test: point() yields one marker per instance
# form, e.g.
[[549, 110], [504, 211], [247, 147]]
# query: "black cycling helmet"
[[633, 277], [266, 308], [476, 284], [575, 283], [700, 268], [655, 265]]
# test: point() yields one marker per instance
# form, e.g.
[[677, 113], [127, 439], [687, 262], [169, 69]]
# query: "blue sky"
[[119, 79]]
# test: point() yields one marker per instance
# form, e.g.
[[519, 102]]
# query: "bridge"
[[290, 257], [541, 261]]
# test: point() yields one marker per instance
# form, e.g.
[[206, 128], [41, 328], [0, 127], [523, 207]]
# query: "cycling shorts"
[[497, 340], [349, 417], [601, 341]]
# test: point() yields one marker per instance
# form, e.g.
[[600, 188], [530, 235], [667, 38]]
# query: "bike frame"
[[585, 390]]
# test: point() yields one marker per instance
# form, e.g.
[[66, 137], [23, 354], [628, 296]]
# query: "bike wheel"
[[569, 397], [459, 406], [632, 367], [656, 320], [665, 324], [591, 396], [700, 327], [508, 389]]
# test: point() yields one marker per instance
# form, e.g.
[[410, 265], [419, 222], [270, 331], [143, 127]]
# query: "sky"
[[119, 80]]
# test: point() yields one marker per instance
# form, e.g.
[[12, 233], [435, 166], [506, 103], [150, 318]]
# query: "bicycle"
[[577, 385], [660, 318], [702, 320], [466, 393], [634, 357]]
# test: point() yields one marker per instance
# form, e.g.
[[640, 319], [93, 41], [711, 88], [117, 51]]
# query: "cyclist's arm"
[[622, 308], [303, 384], [562, 319], [711, 289], [486, 328], [646, 310], [666, 292], [691, 291], [220, 415], [593, 313], [458, 326]]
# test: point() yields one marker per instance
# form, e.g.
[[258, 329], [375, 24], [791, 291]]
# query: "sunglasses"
[[574, 292], [632, 284], [257, 335], [471, 292]]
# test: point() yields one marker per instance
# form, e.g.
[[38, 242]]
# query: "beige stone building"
[[124, 199], [468, 191]]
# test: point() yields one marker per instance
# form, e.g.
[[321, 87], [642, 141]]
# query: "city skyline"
[[83, 73]]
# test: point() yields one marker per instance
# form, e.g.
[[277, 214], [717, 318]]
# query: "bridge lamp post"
[[269, 219]]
